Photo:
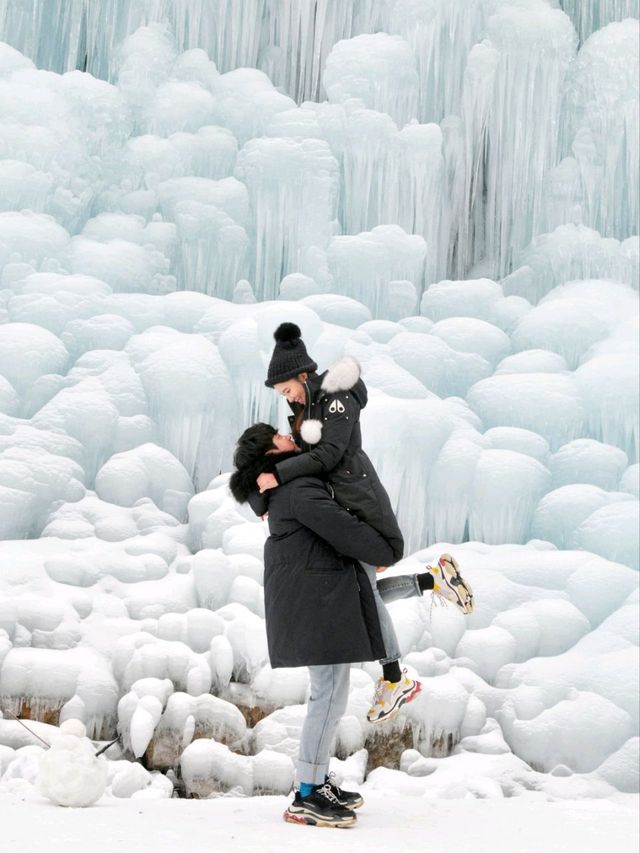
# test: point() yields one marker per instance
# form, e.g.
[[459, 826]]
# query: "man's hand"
[[380, 569], [266, 481]]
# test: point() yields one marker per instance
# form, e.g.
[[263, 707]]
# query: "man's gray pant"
[[330, 685], [327, 703]]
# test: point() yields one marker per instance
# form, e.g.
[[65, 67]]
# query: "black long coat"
[[330, 435], [319, 606]]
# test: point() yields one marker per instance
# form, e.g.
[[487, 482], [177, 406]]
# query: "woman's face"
[[283, 443], [292, 389]]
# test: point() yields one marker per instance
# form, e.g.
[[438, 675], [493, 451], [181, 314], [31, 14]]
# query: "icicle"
[[365, 265], [515, 75], [601, 128], [591, 15], [441, 34], [391, 176], [47, 31], [379, 70], [505, 492], [299, 35], [571, 253], [293, 188]]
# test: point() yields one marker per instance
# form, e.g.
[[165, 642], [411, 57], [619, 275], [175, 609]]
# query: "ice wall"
[[446, 191], [483, 69]]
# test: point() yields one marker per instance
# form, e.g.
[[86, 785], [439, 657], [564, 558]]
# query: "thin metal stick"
[[48, 745], [105, 748]]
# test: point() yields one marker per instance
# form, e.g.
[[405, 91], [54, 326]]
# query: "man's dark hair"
[[250, 459]]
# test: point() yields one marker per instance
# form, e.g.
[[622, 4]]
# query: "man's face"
[[283, 443]]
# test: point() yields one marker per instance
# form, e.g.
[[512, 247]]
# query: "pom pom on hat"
[[290, 356], [287, 333]]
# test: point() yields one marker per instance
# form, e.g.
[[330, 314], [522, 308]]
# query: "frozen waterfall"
[[445, 190]]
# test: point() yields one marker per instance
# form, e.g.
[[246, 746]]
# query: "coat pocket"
[[356, 493], [326, 571]]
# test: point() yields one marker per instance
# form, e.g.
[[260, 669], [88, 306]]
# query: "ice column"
[[293, 191], [505, 491], [190, 398], [441, 34], [404, 438], [601, 128], [378, 69], [421, 198], [213, 249], [299, 35], [365, 265], [591, 15], [230, 31], [391, 176], [571, 253], [511, 109], [47, 31]]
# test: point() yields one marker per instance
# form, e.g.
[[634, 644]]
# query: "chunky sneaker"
[[348, 799], [449, 584], [390, 697], [320, 808]]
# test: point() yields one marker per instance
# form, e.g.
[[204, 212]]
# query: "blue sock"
[[306, 789]]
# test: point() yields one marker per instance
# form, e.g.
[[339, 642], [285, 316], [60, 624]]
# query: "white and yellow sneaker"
[[390, 697], [448, 583]]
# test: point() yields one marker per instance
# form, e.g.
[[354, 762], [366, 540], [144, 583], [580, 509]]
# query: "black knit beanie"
[[289, 357]]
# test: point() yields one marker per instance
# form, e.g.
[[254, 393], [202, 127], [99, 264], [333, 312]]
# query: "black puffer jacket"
[[330, 435], [319, 606]]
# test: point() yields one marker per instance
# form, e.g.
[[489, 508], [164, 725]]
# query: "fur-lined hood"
[[343, 375]]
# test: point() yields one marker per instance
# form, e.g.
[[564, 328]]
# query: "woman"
[[326, 423]]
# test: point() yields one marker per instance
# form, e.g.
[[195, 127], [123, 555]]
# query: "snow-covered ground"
[[386, 823]]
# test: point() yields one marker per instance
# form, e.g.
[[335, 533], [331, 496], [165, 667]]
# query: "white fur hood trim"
[[311, 431], [342, 375]]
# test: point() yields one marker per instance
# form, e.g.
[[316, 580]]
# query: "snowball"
[[70, 773]]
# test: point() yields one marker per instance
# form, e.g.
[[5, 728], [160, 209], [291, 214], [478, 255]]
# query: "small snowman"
[[70, 773]]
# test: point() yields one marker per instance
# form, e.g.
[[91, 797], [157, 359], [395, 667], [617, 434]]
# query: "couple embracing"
[[332, 531]]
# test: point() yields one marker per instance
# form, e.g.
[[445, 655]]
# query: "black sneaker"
[[348, 799], [320, 808]]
